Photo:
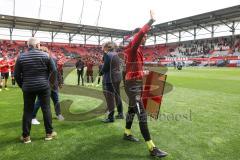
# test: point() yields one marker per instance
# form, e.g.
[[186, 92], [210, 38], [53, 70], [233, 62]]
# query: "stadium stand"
[[65, 52], [200, 51], [223, 46], [221, 51]]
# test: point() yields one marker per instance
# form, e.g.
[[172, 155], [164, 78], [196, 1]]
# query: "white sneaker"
[[60, 117], [35, 121]]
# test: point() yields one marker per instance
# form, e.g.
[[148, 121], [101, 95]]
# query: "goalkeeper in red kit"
[[134, 86]]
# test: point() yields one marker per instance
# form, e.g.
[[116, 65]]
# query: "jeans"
[[55, 99], [29, 100]]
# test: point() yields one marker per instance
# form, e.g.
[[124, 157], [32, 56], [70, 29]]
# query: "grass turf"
[[199, 121]]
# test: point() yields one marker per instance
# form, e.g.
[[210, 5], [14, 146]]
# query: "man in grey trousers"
[[111, 81]]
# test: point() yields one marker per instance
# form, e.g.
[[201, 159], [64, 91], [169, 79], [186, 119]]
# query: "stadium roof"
[[222, 16], [54, 26]]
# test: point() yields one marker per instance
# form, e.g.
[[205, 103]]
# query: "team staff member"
[[32, 71], [133, 88], [4, 71], [80, 69]]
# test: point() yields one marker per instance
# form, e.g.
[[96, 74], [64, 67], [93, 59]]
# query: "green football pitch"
[[199, 120]]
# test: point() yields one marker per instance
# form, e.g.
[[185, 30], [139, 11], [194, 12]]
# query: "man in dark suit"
[[111, 81], [32, 72]]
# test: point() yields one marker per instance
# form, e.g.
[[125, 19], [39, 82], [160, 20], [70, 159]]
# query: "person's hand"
[[152, 15]]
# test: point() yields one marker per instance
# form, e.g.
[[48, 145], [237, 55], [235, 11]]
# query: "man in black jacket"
[[32, 72], [80, 69]]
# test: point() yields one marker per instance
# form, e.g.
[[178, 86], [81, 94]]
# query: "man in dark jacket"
[[32, 72], [111, 81], [80, 69]]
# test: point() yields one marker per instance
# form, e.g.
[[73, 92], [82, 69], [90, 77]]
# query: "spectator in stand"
[[80, 70], [4, 65], [32, 71], [89, 65]]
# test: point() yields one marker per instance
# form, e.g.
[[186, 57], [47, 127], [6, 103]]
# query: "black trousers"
[[29, 101], [111, 93], [133, 90], [80, 74], [99, 78]]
